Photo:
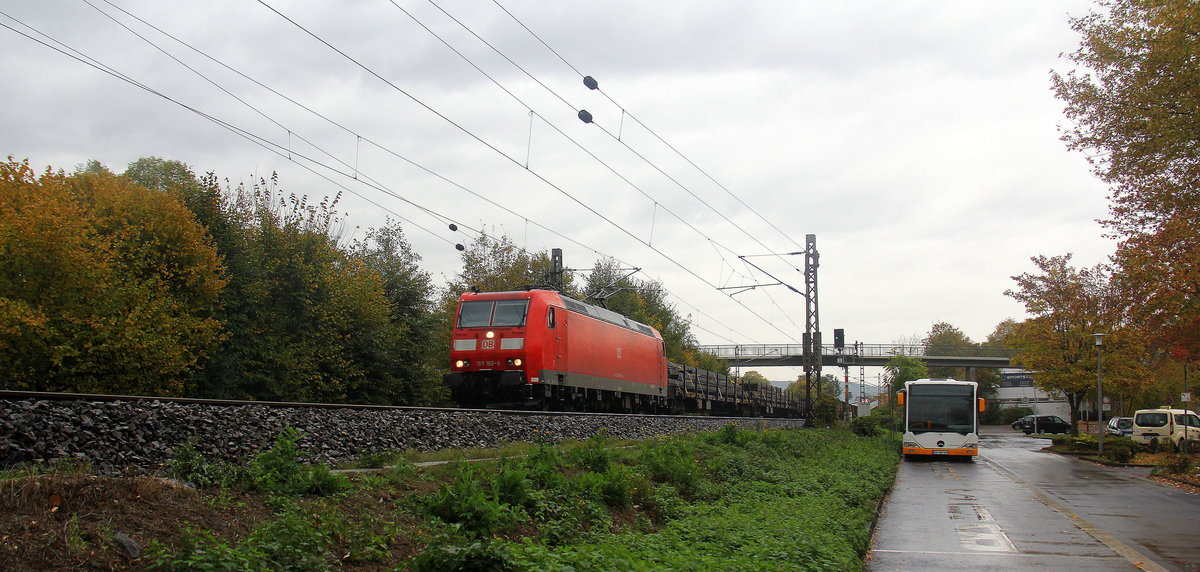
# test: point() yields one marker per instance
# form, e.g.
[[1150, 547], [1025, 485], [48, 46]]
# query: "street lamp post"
[[1100, 388]]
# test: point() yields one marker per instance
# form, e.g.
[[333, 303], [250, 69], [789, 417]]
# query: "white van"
[[1164, 424]]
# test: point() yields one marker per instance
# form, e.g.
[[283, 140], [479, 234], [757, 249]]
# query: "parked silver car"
[[1119, 427]]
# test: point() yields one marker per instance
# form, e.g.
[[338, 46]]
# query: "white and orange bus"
[[941, 417]]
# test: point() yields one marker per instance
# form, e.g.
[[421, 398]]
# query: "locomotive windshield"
[[488, 313]]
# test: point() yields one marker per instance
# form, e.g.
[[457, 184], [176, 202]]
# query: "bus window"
[[949, 408]]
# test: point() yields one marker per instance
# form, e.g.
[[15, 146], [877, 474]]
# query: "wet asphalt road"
[[1017, 508]]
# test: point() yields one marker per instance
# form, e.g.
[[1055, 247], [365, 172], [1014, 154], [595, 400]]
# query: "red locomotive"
[[538, 349]]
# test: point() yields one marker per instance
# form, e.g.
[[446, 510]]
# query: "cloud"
[[917, 140]]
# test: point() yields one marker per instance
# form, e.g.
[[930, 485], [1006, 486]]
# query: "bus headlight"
[[910, 443]]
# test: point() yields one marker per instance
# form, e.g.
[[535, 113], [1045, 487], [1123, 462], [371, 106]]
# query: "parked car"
[[1020, 422], [1120, 427], [1043, 424], [1165, 425]]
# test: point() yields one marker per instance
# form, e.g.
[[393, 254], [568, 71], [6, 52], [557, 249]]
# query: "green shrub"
[[201, 550], [511, 485], [1082, 443], [293, 541], [867, 426], [824, 410], [621, 485], [888, 419], [464, 502], [1117, 453], [482, 555], [545, 464], [1127, 442], [1010, 414], [729, 435], [279, 470], [673, 464], [665, 501], [594, 455], [1176, 464], [613, 488], [187, 464]]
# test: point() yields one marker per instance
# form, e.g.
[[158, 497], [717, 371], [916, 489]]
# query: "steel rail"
[[14, 395]]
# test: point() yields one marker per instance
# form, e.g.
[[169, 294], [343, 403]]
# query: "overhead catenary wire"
[[563, 134], [573, 107], [283, 151], [593, 85], [500, 152], [359, 137], [625, 112], [255, 139]]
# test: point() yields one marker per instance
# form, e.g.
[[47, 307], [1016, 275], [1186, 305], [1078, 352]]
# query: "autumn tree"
[[491, 264], [160, 174], [754, 377], [1002, 335], [901, 368], [1134, 104], [104, 286], [410, 292], [1068, 305], [306, 322], [944, 339]]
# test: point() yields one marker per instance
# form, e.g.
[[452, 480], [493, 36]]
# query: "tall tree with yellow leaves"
[[1134, 102], [1069, 305], [104, 286]]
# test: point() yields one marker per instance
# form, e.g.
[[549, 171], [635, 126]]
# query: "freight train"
[[537, 349]]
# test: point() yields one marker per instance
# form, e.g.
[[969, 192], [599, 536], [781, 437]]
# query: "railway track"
[[121, 433]]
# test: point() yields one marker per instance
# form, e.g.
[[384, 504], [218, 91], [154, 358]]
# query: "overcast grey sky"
[[917, 140]]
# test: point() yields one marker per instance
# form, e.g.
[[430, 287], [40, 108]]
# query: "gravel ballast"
[[123, 436]]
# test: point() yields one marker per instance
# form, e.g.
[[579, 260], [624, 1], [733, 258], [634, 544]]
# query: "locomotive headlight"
[[462, 363], [517, 362], [490, 334]]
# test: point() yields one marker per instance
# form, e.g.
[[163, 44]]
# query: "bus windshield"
[[941, 408]]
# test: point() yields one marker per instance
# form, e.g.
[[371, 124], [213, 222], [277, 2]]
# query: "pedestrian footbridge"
[[877, 355]]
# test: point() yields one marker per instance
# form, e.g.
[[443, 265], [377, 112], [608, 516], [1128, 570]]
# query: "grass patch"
[[727, 500]]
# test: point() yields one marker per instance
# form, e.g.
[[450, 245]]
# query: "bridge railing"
[[733, 352]]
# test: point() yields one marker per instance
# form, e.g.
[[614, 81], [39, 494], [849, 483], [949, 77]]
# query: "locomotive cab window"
[[501, 313], [550, 318], [510, 313], [475, 315]]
